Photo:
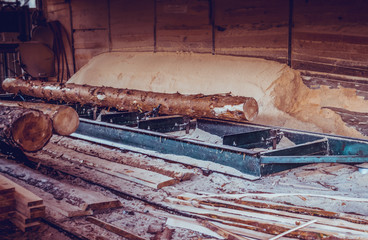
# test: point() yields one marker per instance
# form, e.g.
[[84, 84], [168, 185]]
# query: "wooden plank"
[[10, 203], [6, 215], [176, 171], [294, 229], [263, 222], [114, 229], [185, 222], [31, 212], [222, 232], [25, 227], [323, 217], [24, 219], [7, 194], [6, 209], [137, 175], [191, 224], [6, 188], [21, 194]]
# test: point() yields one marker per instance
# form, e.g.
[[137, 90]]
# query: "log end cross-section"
[[26, 129], [65, 121]]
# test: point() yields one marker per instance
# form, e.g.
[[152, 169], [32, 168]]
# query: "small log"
[[65, 120], [23, 128], [212, 106]]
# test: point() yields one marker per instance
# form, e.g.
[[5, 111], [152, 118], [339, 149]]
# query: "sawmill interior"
[[183, 119]]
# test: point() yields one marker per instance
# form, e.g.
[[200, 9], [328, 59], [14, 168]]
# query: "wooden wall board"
[[252, 28], [82, 56], [132, 24], [91, 39], [90, 29], [331, 37], [183, 25], [90, 14]]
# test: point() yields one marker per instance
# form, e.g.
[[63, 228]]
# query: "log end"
[[66, 121], [250, 109], [32, 131]]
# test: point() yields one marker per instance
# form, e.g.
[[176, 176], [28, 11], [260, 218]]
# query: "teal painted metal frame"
[[309, 148]]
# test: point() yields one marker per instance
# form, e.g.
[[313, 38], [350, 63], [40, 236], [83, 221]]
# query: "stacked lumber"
[[241, 217], [7, 200], [29, 208]]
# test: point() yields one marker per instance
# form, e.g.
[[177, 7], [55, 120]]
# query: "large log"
[[213, 106], [24, 128], [65, 120]]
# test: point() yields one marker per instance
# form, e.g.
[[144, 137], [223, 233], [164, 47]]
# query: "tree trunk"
[[23, 128], [65, 120], [212, 106]]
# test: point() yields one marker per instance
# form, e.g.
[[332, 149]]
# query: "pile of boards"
[[23, 208]]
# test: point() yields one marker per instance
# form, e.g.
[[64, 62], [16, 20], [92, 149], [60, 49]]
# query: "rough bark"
[[213, 106], [65, 120], [23, 128]]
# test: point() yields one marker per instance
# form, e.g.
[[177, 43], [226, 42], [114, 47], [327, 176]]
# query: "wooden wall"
[[252, 28], [324, 39], [330, 42]]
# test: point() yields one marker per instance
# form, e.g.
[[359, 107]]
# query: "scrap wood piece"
[[26, 129], [137, 175], [114, 229], [240, 199], [191, 224], [215, 106], [228, 226], [65, 120], [287, 210], [266, 223], [275, 195], [222, 232], [294, 229]]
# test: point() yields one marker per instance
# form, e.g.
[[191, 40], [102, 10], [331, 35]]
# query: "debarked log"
[[65, 120], [24, 128], [212, 106]]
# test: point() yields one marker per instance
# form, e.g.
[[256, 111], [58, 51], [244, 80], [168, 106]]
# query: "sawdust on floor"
[[282, 97]]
